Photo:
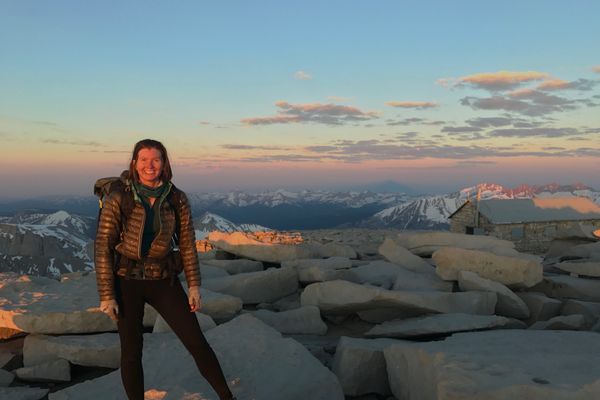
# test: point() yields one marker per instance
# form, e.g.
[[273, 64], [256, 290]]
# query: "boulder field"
[[330, 314]]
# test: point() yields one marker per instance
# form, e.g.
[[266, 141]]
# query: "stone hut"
[[531, 223]]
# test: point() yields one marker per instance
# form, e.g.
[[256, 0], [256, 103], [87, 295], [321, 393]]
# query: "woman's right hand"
[[110, 308]]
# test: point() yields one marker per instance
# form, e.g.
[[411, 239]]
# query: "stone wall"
[[536, 237], [463, 218], [530, 237]]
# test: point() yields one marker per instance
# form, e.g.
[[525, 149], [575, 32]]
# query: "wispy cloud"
[[501, 80], [413, 121], [302, 76], [526, 102], [276, 119], [73, 142], [535, 132], [357, 151], [251, 147], [329, 114], [559, 84], [461, 129], [420, 105], [475, 162]]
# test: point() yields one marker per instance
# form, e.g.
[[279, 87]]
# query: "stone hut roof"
[[512, 211]]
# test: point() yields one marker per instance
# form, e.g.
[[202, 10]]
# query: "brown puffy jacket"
[[109, 239]]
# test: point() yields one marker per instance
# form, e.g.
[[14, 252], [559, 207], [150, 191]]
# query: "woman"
[[140, 244]]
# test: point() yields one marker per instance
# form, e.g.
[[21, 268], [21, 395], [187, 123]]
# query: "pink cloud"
[[554, 84], [501, 80], [596, 69]]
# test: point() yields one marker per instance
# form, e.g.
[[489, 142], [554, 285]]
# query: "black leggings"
[[171, 302]]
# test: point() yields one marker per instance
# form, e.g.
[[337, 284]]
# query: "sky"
[[256, 95]]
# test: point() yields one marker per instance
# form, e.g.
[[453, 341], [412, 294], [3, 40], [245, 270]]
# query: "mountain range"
[[50, 242], [45, 244], [432, 212]]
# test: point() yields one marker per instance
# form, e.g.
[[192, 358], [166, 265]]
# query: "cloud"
[[278, 157], [559, 84], [419, 105], [277, 119], [446, 82], [501, 80], [413, 121], [251, 147], [302, 76], [475, 162], [204, 122], [461, 129], [329, 114], [321, 149], [357, 151], [596, 69], [467, 137], [73, 142], [46, 123], [535, 132], [529, 102], [553, 148]]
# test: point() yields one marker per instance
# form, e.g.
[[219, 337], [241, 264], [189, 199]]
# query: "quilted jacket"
[[111, 238]]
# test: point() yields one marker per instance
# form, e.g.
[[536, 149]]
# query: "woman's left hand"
[[194, 298]]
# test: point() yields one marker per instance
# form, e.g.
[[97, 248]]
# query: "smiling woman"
[[145, 231]]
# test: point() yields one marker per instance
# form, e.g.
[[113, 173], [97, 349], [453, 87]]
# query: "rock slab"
[[22, 393], [360, 366], [101, 350], [256, 287], [509, 304], [53, 371], [301, 321], [342, 298], [262, 363], [510, 271], [241, 245], [499, 365], [441, 324], [586, 268], [395, 253], [424, 244]]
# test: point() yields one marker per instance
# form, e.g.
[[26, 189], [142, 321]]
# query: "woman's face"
[[149, 165]]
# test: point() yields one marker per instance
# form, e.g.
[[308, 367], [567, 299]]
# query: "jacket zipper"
[[139, 241]]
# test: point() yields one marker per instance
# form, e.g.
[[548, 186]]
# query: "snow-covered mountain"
[[280, 209], [45, 244], [82, 224], [280, 197], [432, 212], [212, 222]]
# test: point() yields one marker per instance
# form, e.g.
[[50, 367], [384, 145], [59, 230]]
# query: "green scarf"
[[147, 191]]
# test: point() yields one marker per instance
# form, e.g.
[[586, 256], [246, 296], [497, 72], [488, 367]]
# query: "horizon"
[[413, 192], [433, 96]]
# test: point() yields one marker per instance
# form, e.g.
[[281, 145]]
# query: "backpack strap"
[[103, 188]]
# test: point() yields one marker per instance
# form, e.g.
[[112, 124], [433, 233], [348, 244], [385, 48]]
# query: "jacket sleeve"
[[109, 232], [187, 243]]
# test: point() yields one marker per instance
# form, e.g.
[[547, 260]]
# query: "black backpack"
[[104, 186]]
